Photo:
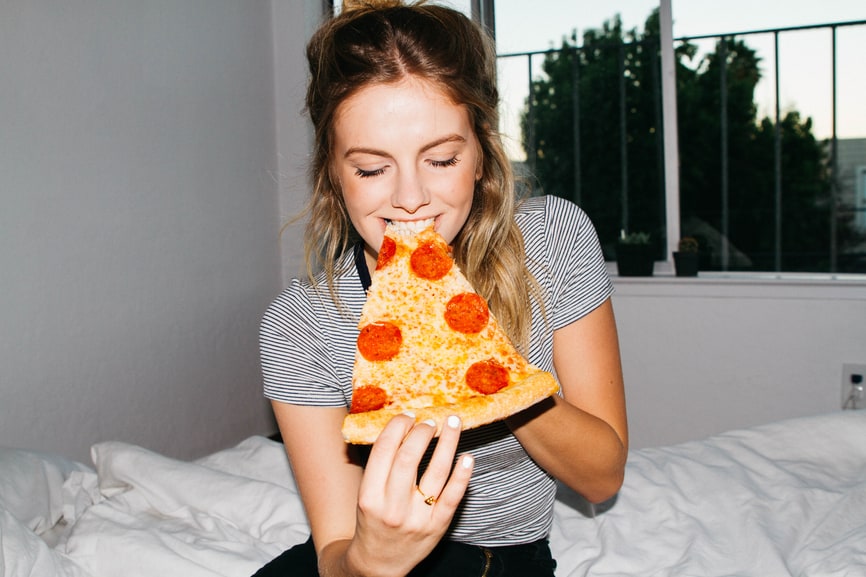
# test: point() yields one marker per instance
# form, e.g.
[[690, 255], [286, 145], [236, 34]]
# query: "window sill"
[[742, 285]]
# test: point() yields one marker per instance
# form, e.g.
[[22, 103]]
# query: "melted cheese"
[[430, 368]]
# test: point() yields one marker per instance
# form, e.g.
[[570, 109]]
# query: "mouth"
[[409, 226]]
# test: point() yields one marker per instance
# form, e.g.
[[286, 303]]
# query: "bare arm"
[[372, 522], [582, 438]]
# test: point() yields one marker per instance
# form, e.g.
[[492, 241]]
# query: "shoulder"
[[547, 221], [545, 211], [565, 257], [310, 302], [295, 300]]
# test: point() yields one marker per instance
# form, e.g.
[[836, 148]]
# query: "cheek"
[[353, 200], [466, 187], [363, 198], [355, 192]]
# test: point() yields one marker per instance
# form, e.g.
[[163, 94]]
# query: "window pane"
[[768, 180], [592, 130], [757, 153]]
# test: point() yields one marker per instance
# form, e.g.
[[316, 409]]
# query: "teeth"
[[409, 227]]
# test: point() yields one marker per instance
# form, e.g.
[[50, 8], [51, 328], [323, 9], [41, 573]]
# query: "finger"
[[454, 490], [404, 470], [384, 450], [442, 460]]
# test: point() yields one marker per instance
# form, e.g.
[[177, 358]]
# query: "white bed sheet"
[[783, 499], [787, 498]]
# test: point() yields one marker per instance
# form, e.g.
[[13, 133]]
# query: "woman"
[[403, 100]]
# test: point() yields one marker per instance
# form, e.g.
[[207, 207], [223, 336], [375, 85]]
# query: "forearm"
[[581, 438], [579, 449]]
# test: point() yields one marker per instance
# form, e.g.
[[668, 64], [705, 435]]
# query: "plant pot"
[[686, 263], [634, 259]]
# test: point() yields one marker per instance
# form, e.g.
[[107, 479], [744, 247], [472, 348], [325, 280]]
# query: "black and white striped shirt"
[[308, 350]]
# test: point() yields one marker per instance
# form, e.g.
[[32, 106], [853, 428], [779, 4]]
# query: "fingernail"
[[466, 461], [409, 414], [430, 422], [454, 421]]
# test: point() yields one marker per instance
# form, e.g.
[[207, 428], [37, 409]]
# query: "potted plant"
[[634, 254], [686, 257]]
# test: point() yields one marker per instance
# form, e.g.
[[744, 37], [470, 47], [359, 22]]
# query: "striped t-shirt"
[[308, 350]]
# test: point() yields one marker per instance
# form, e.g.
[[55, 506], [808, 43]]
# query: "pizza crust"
[[364, 428]]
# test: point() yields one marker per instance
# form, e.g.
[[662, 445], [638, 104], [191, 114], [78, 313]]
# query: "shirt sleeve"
[[578, 274], [296, 364]]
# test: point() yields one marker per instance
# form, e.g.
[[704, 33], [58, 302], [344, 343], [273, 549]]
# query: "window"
[[762, 183]]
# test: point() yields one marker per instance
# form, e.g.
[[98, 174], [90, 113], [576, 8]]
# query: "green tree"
[[619, 170], [612, 163], [750, 223]]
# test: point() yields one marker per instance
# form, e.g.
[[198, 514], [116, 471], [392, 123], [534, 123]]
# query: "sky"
[[805, 61], [548, 20]]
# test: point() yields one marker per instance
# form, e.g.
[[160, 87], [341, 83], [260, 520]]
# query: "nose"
[[410, 194]]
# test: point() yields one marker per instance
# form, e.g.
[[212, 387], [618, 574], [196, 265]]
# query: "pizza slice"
[[428, 344]]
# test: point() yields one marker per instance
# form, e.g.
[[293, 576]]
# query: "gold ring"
[[428, 499]]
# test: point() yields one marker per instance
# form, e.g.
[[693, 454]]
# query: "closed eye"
[[369, 173], [444, 163]]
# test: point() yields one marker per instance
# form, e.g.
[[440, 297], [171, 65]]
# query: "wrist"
[[346, 558]]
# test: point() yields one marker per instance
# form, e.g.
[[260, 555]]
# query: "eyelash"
[[443, 163], [379, 171], [369, 173]]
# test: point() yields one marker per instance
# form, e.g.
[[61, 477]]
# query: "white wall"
[[139, 219], [701, 356], [294, 22]]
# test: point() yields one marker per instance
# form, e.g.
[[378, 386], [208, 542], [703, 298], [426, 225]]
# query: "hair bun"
[[374, 4]]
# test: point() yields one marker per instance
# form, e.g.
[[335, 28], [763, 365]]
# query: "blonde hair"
[[383, 42]]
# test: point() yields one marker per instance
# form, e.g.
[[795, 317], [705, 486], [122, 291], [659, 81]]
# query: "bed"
[[786, 498]]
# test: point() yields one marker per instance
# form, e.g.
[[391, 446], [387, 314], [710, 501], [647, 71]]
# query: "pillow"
[[31, 486]]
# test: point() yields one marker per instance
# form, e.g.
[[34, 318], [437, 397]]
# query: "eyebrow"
[[425, 148]]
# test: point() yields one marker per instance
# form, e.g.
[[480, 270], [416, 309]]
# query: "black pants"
[[449, 559]]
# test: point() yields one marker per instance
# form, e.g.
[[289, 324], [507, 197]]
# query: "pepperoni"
[[467, 313], [368, 398], [386, 252], [431, 260], [487, 377], [379, 341]]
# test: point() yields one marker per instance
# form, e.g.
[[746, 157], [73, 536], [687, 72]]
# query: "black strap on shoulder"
[[361, 265]]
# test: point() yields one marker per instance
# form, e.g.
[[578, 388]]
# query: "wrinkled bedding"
[[787, 498]]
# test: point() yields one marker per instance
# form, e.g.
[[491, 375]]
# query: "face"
[[404, 151]]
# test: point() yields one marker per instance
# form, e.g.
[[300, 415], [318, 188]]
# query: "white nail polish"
[[466, 461], [409, 414], [454, 421], [430, 422]]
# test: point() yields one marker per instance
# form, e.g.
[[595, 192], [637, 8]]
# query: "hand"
[[399, 522]]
